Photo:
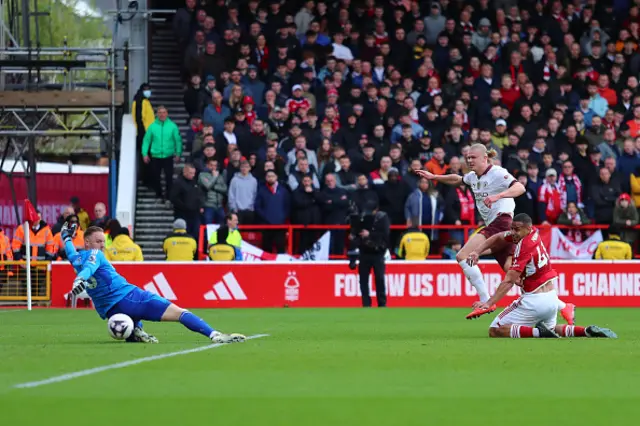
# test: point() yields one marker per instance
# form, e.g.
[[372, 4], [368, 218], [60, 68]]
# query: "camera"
[[358, 223]]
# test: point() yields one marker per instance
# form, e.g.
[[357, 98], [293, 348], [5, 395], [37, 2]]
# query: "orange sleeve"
[[48, 242], [57, 243], [18, 239]]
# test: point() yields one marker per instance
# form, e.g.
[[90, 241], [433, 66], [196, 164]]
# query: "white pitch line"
[[6, 311], [96, 370]]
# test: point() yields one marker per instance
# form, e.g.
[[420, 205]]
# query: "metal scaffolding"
[[35, 109]]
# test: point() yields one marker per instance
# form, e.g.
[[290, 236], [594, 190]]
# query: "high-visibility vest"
[[5, 250], [41, 243], [58, 245]]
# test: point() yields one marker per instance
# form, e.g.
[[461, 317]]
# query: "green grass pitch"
[[324, 367]]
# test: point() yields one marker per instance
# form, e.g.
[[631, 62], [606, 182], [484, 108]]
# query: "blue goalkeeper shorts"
[[141, 305]]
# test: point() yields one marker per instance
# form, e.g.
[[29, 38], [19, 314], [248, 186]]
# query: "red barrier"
[[332, 284]]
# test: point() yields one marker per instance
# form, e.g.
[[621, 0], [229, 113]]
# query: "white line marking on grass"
[[6, 311], [82, 373]]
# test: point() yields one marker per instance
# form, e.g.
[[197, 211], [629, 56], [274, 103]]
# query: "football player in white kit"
[[494, 189]]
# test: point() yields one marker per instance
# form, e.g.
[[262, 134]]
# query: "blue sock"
[[195, 323]]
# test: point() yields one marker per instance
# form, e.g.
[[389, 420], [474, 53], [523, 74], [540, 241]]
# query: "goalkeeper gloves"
[[79, 286], [68, 231]]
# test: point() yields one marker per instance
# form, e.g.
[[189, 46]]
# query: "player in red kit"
[[534, 313]]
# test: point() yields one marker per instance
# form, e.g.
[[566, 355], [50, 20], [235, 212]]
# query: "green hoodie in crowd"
[[162, 140]]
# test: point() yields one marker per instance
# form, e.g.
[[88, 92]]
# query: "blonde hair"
[[491, 153]]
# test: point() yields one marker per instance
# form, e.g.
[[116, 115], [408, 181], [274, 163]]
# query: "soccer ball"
[[120, 326]]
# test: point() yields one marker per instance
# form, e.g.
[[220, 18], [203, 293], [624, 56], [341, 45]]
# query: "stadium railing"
[[253, 234], [13, 281], [127, 172]]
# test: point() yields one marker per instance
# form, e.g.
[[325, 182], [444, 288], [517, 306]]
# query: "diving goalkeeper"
[[112, 294]]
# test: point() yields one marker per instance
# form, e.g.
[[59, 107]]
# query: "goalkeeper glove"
[[79, 286], [68, 231]]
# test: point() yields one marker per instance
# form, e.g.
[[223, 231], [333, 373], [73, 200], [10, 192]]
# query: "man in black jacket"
[[334, 203], [188, 200], [306, 211], [371, 238]]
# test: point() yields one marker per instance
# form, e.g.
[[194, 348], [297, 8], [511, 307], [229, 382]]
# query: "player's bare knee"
[[172, 313], [494, 332], [461, 256]]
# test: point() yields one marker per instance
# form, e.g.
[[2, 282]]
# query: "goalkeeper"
[[112, 294]]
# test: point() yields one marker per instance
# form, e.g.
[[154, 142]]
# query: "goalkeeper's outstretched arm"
[[72, 253]]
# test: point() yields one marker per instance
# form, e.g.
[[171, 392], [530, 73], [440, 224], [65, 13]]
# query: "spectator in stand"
[[380, 176], [628, 162], [570, 186], [526, 203], [362, 194], [334, 203], [549, 198], [459, 209], [604, 195], [242, 194], [272, 208], [392, 195], [179, 246], [143, 116], [426, 205], [216, 112], [68, 211], [301, 145], [306, 203], [437, 164], [215, 189], [208, 153], [100, 216], [574, 216], [625, 217], [301, 171], [188, 200], [123, 248], [346, 178], [162, 146], [194, 97], [82, 214]]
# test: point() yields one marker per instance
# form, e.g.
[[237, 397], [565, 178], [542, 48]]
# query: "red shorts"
[[500, 224]]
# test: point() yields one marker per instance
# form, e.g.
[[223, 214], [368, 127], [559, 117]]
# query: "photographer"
[[369, 237]]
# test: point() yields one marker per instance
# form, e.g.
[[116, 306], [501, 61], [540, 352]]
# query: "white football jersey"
[[494, 181]]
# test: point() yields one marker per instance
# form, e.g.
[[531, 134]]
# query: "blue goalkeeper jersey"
[[104, 285]]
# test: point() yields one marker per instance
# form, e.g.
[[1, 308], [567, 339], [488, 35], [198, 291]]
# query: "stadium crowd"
[[302, 111]]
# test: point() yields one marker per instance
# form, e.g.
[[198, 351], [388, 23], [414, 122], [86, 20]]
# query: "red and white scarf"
[[467, 205], [550, 195], [466, 27], [562, 184], [434, 92], [548, 69]]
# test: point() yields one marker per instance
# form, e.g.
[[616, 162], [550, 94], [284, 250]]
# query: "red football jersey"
[[532, 261]]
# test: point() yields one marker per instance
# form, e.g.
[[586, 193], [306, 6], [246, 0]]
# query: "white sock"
[[474, 275], [561, 305]]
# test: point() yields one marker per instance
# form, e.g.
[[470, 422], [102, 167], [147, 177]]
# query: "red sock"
[[573, 331], [521, 332]]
